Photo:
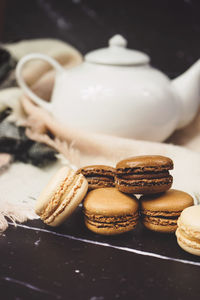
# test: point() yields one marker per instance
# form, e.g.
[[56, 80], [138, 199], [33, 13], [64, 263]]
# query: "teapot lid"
[[117, 54]]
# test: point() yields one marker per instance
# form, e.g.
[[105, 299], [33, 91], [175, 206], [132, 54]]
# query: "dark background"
[[168, 30]]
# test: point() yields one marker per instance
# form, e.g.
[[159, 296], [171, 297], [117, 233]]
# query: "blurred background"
[[167, 30]]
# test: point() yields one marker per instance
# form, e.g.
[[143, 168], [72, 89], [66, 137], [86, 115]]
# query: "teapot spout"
[[187, 89]]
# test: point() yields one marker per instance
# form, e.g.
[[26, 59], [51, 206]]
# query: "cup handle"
[[39, 101]]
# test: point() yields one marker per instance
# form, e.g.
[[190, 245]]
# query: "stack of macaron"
[[110, 206], [147, 176]]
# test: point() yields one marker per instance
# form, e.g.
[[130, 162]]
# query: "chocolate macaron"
[[109, 212], [160, 212], [148, 174], [98, 176]]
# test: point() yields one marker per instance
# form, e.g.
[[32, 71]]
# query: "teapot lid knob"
[[117, 54], [118, 41]]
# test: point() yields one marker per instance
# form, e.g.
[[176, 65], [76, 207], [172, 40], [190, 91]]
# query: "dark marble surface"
[[69, 262]]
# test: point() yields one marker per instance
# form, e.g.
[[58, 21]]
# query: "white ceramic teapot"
[[115, 91]]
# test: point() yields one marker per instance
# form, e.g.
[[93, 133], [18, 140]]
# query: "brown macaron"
[[148, 174], [109, 212], [98, 176], [160, 212]]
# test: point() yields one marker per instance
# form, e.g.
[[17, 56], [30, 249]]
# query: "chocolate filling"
[[106, 222], [161, 217], [98, 183], [160, 220], [141, 170], [111, 225], [146, 175], [160, 214], [102, 178], [111, 221], [145, 182], [97, 173]]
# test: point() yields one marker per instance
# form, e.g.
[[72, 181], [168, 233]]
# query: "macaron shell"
[[190, 220], [187, 244], [109, 202], [153, 186], [151, 162], [170, 201]]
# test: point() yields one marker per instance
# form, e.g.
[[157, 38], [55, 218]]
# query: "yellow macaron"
[[188, 231], [61, 196]]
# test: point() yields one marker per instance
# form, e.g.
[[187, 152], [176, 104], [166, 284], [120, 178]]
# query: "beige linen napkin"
[[84, 148], [22, 183]]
